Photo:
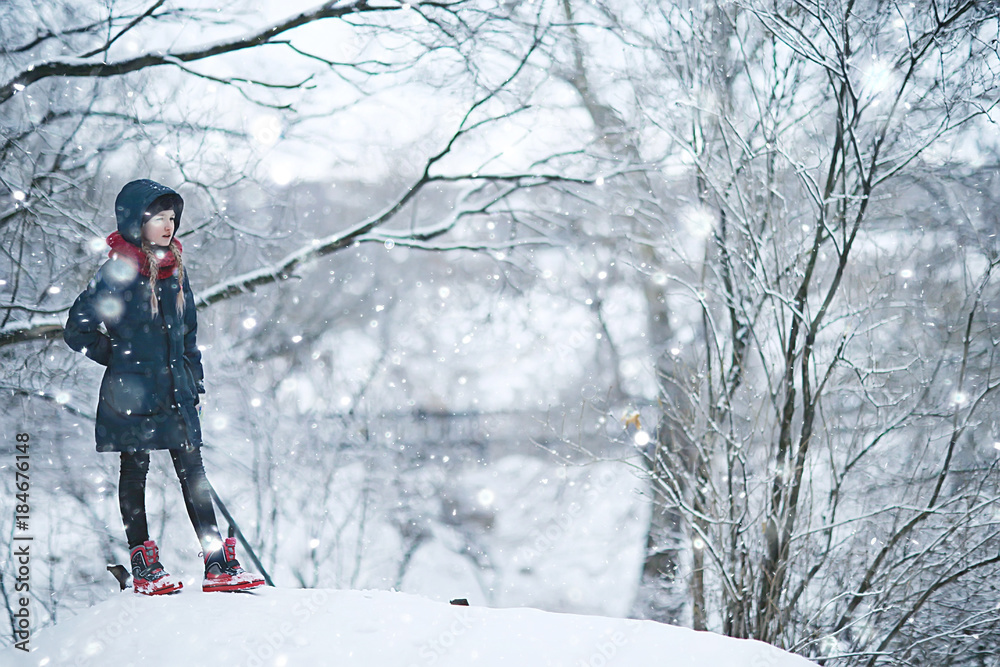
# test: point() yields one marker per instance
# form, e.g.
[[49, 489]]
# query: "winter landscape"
[[658, 331]]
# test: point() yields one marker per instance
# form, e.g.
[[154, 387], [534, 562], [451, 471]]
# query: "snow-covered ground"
[[288, 627]]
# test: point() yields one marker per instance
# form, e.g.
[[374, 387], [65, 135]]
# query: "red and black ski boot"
[[223, 571], [148, 576]]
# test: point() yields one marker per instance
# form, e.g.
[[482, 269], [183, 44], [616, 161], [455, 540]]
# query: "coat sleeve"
[[82, 332], [192, 355]]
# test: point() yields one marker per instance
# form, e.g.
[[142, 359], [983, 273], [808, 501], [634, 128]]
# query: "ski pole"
[[233, 527]]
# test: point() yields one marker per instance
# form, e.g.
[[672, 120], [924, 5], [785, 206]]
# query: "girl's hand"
[[200, 388]]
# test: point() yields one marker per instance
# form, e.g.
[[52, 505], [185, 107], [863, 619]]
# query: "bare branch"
[[81, 67]]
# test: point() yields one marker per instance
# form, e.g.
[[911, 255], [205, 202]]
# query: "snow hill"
[[317, 627]]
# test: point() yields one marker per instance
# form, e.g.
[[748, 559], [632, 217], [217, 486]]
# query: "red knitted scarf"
[[122, 248]]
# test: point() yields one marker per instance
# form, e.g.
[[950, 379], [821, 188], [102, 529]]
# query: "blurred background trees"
[[739, 252]]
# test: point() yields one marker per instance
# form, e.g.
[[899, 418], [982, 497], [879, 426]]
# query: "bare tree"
[[810, 431]]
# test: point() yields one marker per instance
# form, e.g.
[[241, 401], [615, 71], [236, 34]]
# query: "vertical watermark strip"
[[21, 620]]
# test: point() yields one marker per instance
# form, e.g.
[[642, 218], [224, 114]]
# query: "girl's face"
[[159, 229]]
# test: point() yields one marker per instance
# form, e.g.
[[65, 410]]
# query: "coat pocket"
[[191, 380], [131, 393]]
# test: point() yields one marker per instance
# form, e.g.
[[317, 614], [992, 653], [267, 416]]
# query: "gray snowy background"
[[671, 310]]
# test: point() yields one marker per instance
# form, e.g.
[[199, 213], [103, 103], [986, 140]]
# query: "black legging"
[[194, 486]]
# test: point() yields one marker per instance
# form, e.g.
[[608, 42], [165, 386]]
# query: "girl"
[[153, 378]]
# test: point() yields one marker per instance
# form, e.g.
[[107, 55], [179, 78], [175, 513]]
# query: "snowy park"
[[650, 331]]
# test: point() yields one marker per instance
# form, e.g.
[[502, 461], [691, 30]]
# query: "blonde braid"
[[174, 248], [154, 271], [154, 304]]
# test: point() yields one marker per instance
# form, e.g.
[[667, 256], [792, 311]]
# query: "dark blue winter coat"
[[154, 372]]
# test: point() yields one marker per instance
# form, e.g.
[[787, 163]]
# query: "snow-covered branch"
[[362, 232], [36, 329], [100, 68]]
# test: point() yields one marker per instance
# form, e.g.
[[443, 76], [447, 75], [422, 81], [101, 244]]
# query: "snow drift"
[[285, 627]]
